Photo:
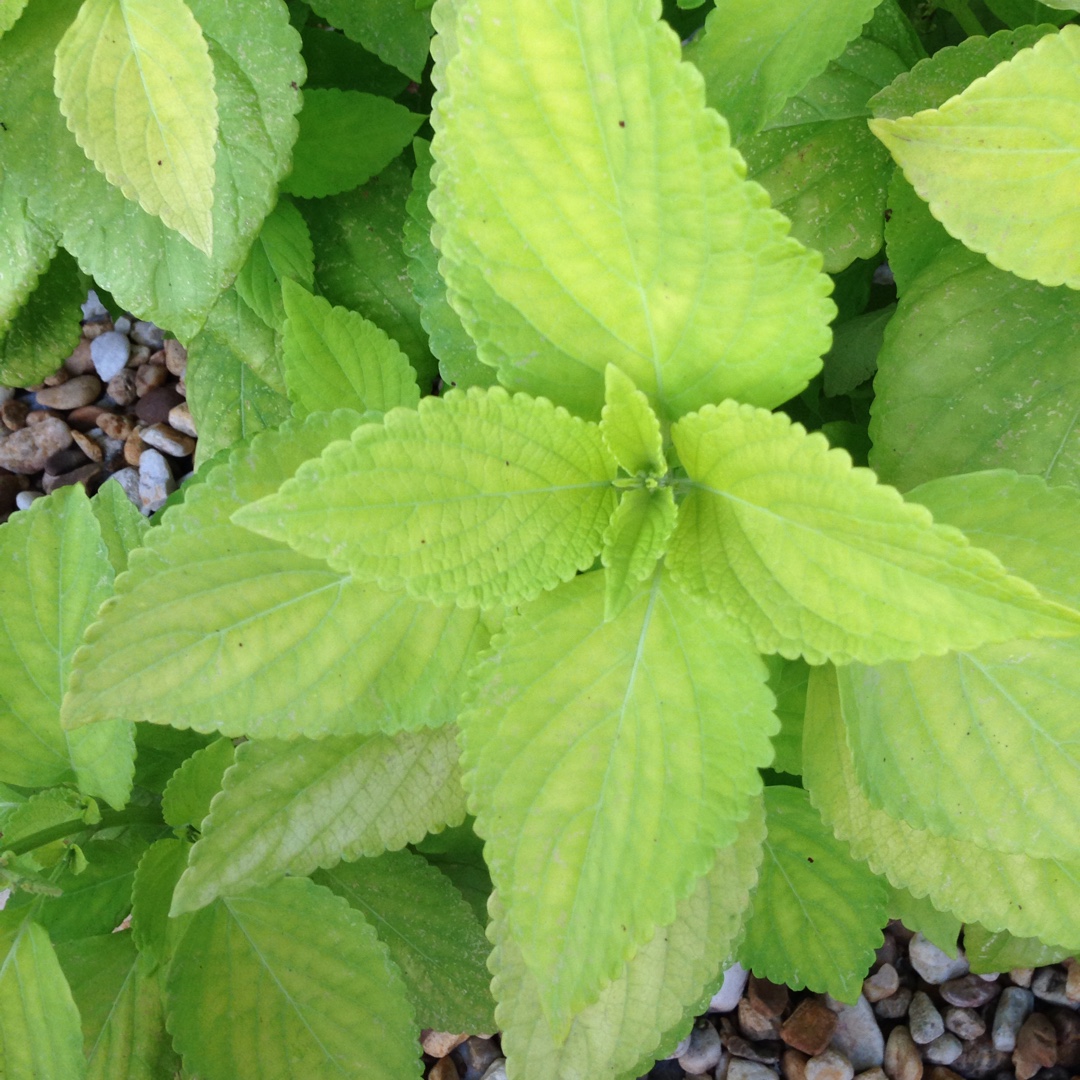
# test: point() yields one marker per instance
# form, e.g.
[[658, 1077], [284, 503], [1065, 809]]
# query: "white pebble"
[[727, 997], [25, 499], [110, 352]]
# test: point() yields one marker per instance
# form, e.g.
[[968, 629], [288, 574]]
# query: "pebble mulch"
[[921, 1014], [115, 408]]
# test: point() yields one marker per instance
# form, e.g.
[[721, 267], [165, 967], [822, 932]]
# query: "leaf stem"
[[131, 815], [968, 20]]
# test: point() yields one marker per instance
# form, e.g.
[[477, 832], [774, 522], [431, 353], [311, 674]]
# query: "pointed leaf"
[[459, 853], [40, 1037], [187, 797], [282, 252], [1026, 896], [346, 137], [10, 10], [430, 932], [604, 754], [629, 1024], [814, 556], [335, 359], [678, 273], [479, 498], [318, 993], [395, 30], [755, 56], [630, 428], [1000, 164], [336, 62], [26, 246], [221, 630], [153, 931], [919, 914], [817, 914], [57, 573], [123, 528], [635, 539], [288, 808]]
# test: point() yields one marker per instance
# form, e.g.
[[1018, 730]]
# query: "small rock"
[[121, 387], [990, 976], [114, 454], [902, 1060], [892, 1008], [93, 309], [155, 480], [28, 450], [140, 355], [726, 999], [175, 357], [110, 354], [475, 1054], [443, 1069], [6, 393], [857, 1035], [882, 984], [1067, 1026], [84, 474], [966, 1023], [25, 499], [829, 1066], [128, 479], [1072, 980], [80, 362], [810, 1027], [123, 324], [767, 1052], [980, 1058], [704, 1051], [70, 457], [181, 419], [793, 1065], [158, 357], [85, 417], [134, 447], [164, 438], [680, 1049], [154, 408], [1036, 1046], [924, 1019], [88, 446], [93, 330], [876, 1073], [115, 425], [768, 998], [146, 333], [934, 965], [13, 414], [889, 952], [496, 1071], [1012, 1010], [439, 1043], [940, 1072], [57, 378], [149, 377], [755, 1024], [1051, 985], [739, 1069], [1022, 976], [969, 991], [944, 1050], [39, 416]]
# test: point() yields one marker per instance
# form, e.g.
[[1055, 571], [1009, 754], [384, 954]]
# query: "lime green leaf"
[[630, 427], [1028, 897], [914, 238], [1000, 164], [455, 350], [430, 932], [679, 274], [220, 630], [158, 871], [335, 62], [397, 31], [40, 1036], [346, 137], [318, 992], [10, 10], [46, 328], [123, 528], [56, 574], [459, 853], [136, 83], [982, 746], [334, 359], [814, 556], [587, 780], [149, 268], [360, 263], [988, 952], [41, 811], [755, 56], [787, 680], [288, 808], [478, 497], [635, 539], [186, 798], [282, 252], [623, 1031], [954, 393], [919, 914], [817, 914], [1018, 13], [26, 247], [122, 1009]]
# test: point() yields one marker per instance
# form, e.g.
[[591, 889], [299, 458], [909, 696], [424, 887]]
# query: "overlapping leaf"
[[601, 755], [159, 869], [187, 796], [479, 498], [917, 913], [245, 636], [787, 680], [635, 539], [288, 808], [122, 526], [630, 428], [25, 250], [620, 237], [987, 952], [395, 30]]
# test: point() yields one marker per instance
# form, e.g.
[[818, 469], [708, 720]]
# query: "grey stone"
[[1051, 985], [25, 499], [128, 479], [477, 1055], [831, 1065], [966, 1023], [726, 999], [980, 1059], [857, 1034], [704, 1051], [683, 1046], [766, 1052], [123, 324], [934, 965], [969, 991], [739, 1069], [496, 1070], [28, 450], [110, 354], [892, 1008], [944, 1050], [146, 333], [924, 1020], [93, 310], [1011, 1012], [156, 482]]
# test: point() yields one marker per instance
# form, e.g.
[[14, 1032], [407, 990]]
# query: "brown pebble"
[[39, 416], [1022, 977], [810, 1027], [765, 1053], [980, 1058], [439, 1043], [969, 991], [78, 390], [902, 1060], [1036, 1046], [158, 357], [80, 361], [175, 357], [154, 407], [133, 448], [62, 461], [1072, 983], [882, 984], [26, 451], [121, 387], [793, 1064], [93, 330], [1067, 1025], [138, 356], [149, 377], [942, 1072], [876, 1073], [85, 417], [755, 1024], [180, 418], [57, 378], [443, 1069], [115, 425], [87, 445], [768, 998], [84, 474], [13, 413]]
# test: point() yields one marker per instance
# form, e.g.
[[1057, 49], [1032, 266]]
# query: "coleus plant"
[[709, 690]]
